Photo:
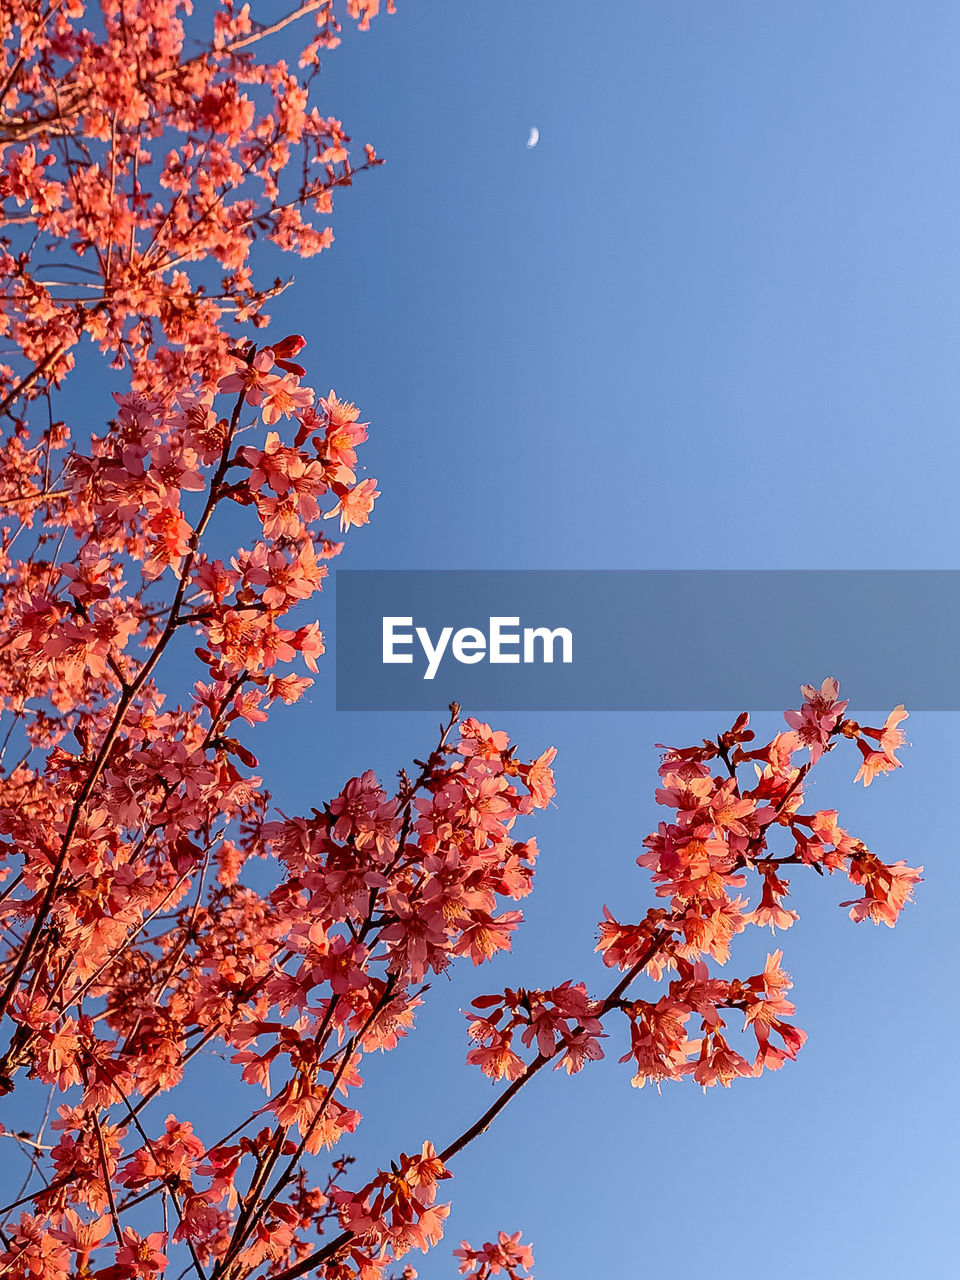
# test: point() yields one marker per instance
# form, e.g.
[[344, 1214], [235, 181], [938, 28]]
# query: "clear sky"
[[710, 321]]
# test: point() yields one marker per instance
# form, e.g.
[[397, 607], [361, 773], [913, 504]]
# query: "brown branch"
[[106, 1179], [29, 379], [262, 32]]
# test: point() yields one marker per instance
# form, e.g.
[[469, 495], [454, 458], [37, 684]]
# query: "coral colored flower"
[[309, 641], [886, 889], [539, 778], [820, 714], [497, 1060], [356, 504], [874, 763], [82, 1237], [890, 738], [142, 1254], [283, 397], [506, 1256], [249, 377]]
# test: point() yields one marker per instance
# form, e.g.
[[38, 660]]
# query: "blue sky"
[[710, 321]]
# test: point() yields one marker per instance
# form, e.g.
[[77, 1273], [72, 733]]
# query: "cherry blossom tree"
[[144, 151]]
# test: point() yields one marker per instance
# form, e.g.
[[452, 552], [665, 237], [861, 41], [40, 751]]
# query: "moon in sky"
[[534, 137]]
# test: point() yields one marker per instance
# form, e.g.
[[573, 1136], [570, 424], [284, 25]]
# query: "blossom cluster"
[[134, 938], [505, 1256], [721, 836], [193, 149]]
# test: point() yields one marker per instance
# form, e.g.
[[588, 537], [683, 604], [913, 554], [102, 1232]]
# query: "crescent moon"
[[534, 137]]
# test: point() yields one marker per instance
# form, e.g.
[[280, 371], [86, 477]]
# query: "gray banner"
[[644, 640]]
